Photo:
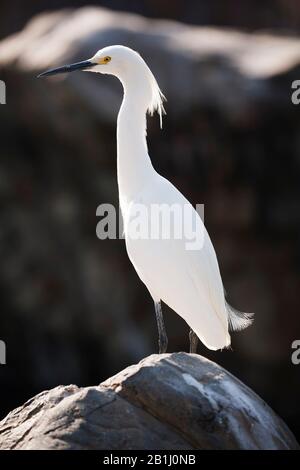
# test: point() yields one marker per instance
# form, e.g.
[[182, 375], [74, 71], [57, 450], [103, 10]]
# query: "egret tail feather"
[[238, 320]]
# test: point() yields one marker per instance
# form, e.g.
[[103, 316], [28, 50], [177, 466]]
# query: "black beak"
[[86, 64]]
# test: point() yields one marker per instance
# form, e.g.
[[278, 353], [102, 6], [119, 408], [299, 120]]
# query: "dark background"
[[72, 308]]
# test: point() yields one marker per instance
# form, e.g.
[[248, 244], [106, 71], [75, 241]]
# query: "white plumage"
[[189, 281]]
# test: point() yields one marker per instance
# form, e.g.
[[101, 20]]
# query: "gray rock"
[[170, 401], [226, 69]]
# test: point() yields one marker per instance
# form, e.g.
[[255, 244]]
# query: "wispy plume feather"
[[157, 100]]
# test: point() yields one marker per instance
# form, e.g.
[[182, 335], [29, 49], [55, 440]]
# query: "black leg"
[[193, 342], [162, 336]]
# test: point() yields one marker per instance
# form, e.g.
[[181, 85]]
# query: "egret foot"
[[193, 342], [162, 335]]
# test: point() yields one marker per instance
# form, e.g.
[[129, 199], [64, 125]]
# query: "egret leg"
[[162, 335], [193, 342]]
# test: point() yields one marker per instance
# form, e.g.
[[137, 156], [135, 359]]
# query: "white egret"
[[189, 281]]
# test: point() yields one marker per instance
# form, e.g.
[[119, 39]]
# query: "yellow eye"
[[107, 59]]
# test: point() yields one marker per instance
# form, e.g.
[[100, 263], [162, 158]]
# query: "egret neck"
[[133, 161]]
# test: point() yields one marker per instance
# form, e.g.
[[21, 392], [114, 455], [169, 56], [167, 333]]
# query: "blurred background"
[[72, 307]]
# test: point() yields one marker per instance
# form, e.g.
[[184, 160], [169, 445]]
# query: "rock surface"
[[170, 401]]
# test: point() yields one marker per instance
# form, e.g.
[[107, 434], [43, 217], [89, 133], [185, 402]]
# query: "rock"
[[227, 69], [169, 401]]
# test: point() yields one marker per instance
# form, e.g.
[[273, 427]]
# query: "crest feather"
[[157, 100]]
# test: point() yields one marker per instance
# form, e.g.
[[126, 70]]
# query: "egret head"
[[113, 60], [128, 66], [117, 60]]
